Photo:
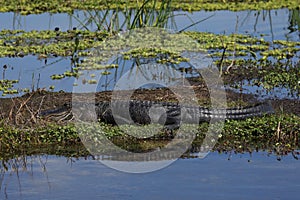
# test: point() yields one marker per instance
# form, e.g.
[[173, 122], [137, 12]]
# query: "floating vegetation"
[[245, 45], [278, 76], [105, 72], [70, 74], [242, 57], [236, 55], [27, 7], [90, 65], [7, 85], [47, 43], [162, 55], [92, 81], [65, 74], [13, 43], [275, 132], [57, 76]]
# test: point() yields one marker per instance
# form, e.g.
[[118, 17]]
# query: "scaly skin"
[[171, 115]]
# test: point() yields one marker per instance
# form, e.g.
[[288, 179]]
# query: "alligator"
[[169, 114]]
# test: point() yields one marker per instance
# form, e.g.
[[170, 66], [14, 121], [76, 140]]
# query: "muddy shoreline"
[[23, 111]]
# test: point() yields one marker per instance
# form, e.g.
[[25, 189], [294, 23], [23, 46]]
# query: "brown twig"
[[24, 103], [278, 131], [33, 118], [234, 45], [11, 110], [40, 106]]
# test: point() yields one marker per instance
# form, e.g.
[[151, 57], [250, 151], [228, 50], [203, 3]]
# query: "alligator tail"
[[242, 113]]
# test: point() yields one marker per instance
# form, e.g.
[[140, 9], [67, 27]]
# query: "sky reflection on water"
[[211, 178], [33, 73], [273, 24]]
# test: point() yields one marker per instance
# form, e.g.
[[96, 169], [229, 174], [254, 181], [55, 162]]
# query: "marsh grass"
[[146, 13]]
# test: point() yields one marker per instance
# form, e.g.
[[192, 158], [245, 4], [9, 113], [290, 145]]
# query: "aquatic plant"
[[268, 64], [279, 132], [26, 7], [146, 13], [252, 58], [294, 19], [7, 85]]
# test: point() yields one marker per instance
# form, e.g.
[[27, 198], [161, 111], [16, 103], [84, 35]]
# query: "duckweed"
[[244, 51], [27, 7], [7, 85]]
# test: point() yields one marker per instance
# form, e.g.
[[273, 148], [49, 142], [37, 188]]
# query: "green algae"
[[26, 7], [6, 86], [47, 43], [242, 57], [251, 57]]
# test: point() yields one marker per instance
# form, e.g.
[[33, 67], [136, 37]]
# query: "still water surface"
[[273, 24], [214, 177], [33, 73]]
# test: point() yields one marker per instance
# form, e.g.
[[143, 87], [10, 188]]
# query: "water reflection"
[[243, 177], [279, 24], [294, 19], [33, 73]]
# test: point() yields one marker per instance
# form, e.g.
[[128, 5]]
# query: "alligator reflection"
[[32, 164], [23, 159]]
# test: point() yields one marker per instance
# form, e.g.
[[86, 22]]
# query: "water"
[[33, 73], [280, 92], [274, 24], [214, 177]]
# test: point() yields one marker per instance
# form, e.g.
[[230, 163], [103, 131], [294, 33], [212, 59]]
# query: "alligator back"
[[169, 114]]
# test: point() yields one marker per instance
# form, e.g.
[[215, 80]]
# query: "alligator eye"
[[56, 29]]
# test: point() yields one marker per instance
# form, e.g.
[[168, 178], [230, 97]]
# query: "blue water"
[[272, 24], [33, 73], [214, 177]]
